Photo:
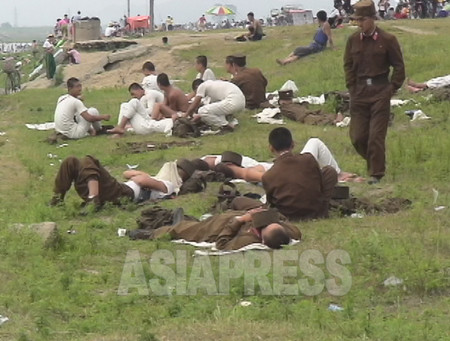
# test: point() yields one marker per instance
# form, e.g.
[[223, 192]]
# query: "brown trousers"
[[369, 111], [81, 171], [329, 180]]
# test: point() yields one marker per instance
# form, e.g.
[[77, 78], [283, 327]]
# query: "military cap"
[[232, 157], [363, 8]]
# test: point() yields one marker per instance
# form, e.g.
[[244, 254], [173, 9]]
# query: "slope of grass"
[[69, 289]]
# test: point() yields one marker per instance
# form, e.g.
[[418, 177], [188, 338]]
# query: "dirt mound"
[[92, 73]]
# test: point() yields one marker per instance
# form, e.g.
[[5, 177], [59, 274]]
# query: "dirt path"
[[414, 30], [91, 72]]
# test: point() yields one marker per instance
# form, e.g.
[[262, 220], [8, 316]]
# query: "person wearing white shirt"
[[135, 114], [72, 118], [225, 99], [150, 80], [204, 73]]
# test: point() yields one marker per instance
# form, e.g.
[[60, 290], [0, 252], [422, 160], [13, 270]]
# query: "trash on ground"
[[62, 145], [439, 208], [392, 281], [357, 215], [52, 156], [245, 303], [205, 216], [417, 115], [132, 166], [3, 319], [121, 232], [2, 133], [71, 231], [335, 307]]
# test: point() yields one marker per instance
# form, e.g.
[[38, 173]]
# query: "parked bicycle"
[[12, 75]]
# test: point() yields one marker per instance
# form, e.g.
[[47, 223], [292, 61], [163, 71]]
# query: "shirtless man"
[[175, 101], [257, 28]]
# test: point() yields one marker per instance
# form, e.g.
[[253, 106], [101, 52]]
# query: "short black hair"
[[276, 238], [250, 14], [225, 170], [163, 79], [280, 139], [229, 60], [196, 83], [148, 66], [135, 86], [71, 82], [165, 39], [202, 60], [321, 16]]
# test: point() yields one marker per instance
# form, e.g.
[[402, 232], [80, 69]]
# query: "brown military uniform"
[[253, 84], [81, 171], [367, 62], [298, 188], [223, 229]]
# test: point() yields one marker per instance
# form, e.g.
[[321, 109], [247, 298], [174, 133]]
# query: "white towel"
[[267, 116], [41, 126], [214, 252]]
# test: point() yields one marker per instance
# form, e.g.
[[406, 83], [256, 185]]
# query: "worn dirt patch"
[[415, 30], [128, 71]]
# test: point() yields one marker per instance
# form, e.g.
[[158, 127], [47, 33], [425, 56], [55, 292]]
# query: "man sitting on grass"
[[95, 185], [72, 118], [175, 101], [322, 36], [231, 230], [136, 113]]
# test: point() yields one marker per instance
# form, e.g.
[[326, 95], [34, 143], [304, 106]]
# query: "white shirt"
[[67, 109], [247, 162], [109, 31], [208, 75], [47, 44], [217, 90], [149, 83]]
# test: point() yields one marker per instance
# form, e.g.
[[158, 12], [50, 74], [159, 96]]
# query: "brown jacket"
[[294, 186], [223, 229], [253, 84], [371, 57], [80, 171]]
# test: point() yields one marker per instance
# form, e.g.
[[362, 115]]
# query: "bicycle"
[[12, 79]]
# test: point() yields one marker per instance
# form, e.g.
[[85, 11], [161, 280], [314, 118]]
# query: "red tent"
[[142, 21]]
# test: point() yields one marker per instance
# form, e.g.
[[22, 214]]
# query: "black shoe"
[[178, 215], [374, 180]]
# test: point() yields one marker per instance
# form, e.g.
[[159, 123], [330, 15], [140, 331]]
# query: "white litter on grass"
[[41, 126], [245, 303], [3, 319], [393, 281], [335, 307], [419, 115], [399, 102], [62, 145], [2, 133], [357, 215], [52, 156], [435, 199], [121, 232], [267, 116], [133, 166], [52, 164], [310, 99], [344, 123]]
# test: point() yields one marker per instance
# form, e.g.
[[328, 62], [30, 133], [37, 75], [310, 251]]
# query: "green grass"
[[67, 290]]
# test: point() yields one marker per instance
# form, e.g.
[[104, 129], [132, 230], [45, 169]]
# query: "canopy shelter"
[[142, 21]]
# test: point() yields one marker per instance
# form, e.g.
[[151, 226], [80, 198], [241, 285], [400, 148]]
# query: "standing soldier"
[[369, 54]]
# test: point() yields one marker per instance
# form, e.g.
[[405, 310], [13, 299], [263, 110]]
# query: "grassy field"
[[68, 289]]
